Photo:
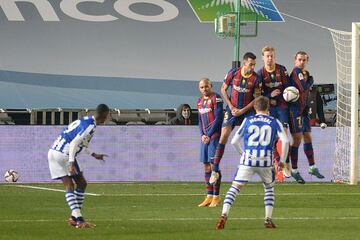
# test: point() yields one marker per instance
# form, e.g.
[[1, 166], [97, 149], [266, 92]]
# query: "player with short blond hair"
[[259, 134]]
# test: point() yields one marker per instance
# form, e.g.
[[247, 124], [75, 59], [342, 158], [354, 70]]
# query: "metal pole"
[[236, 62]]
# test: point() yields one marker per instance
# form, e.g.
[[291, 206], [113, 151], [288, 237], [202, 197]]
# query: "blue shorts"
[[299, 123], [230, 120], [282, 114], [207, 151]]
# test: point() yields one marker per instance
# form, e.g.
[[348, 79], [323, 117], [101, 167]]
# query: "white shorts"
[[245, 173], [59, 164]]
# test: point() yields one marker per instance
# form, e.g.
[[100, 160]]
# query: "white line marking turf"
[[185, 219], [50, 189], [183, 194]]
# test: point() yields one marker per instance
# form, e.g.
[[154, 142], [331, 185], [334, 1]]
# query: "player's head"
[[268, 56], [301, 59], [249, 62], [205, 86], [102, 112], [261, 104]]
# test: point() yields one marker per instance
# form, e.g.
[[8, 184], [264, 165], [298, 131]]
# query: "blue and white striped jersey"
[[79, 132], [259, 133]]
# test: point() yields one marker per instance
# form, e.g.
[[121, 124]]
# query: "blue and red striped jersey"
[[242, 87], [210, 114], [302, 80], [277, 79]]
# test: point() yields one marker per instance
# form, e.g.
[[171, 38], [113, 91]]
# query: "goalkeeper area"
[[168, 210]]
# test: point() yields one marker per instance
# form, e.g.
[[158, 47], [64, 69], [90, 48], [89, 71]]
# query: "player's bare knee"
[[307, 137], [225, 134], [207, 167]]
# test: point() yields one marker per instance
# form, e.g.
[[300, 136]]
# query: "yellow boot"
[[208, 199], [215, 201]]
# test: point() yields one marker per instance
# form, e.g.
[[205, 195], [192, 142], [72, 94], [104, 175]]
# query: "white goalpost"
[[347, 48]]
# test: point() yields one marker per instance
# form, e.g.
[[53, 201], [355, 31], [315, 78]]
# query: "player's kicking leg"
[[233, 191], [267, 176], [79, 193], [243, 175]]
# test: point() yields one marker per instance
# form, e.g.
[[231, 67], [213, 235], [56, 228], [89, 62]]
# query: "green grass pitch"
[[169, 211]]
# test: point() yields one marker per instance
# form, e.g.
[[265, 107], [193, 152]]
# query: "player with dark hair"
[[243, 88], [259, 134], [275, 79], [64, 165], [299, 118], [210, 107]]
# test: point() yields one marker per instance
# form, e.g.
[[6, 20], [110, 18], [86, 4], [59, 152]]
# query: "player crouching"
[[64, 165], [259, 133]]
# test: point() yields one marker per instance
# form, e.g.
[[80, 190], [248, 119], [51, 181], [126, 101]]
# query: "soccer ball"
[[291, 94], [11, 176]]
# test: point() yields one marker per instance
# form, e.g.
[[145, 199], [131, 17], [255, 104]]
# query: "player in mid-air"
[[64, 165], [259, 133], [299, 118], [244, 87], [210, 107], [275, 79]]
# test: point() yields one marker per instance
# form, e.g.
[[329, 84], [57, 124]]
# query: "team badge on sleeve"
[[301, 76]]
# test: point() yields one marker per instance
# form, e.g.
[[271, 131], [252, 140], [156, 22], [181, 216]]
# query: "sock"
[[71, 200], [209, 187], [294, 170], [294, 152], [312, 167], [309, 152], [217, 185], [218, 155], [79, 193], [229, 199], [269, 200]]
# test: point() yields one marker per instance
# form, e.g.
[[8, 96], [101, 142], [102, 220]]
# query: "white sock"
[[229, 199], [269, 200], [73, 204]]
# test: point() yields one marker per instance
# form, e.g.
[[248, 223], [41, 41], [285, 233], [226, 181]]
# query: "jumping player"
[[275, 79], [259, 133], [64, 165], [299, 118], [210, 107], [244, 86]]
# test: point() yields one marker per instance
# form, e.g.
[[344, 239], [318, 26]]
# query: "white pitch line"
[[50, 189], [182, 194], [186, 219], [242, 194]]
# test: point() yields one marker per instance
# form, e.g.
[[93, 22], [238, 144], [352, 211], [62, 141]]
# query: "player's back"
[[86, 124], [259, 133]]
